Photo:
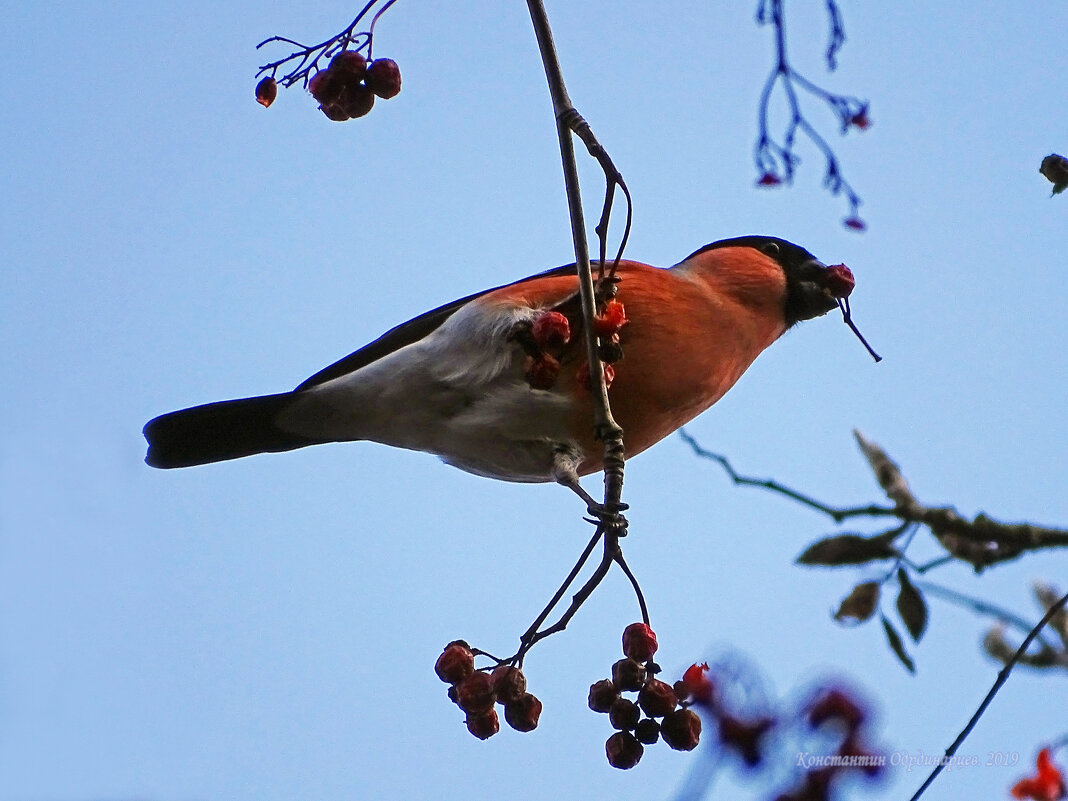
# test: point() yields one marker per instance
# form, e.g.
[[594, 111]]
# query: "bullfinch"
[[497, 383]]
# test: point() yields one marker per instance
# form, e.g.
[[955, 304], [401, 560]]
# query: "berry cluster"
[[543, 340], [549, 333], [678, 726], [476, 691], [347, 88]]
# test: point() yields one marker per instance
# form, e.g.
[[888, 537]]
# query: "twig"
[[838, 515], [310, 55], [778, 162], [568, 121], [1003, 676], [528, 638], [981, 542], [534, 635], [982, 607]]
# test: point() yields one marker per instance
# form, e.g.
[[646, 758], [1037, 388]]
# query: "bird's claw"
[[609, 516]]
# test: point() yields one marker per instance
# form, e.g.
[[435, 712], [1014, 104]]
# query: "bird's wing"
[[411, 331]]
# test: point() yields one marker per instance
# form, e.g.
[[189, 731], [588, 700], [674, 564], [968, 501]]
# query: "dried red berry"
[[325, 87], [861, 119], [349, 62], [647, 731], [384, 78], [769, 179], [639, 642], [551, 329], [623, 750], [509, 683], [745, 736], [624, 714], [456, 663], [485, 725], [542, 371], [699, 687], [610, 351], [523, 713], [266, 92], [583, 376], [356, 99], [839, 281], [611, 320], [475, 693], [603, 694], [334, 112], [681, 729], [628, 675], [657, 698], [682, 690], [855, 223]]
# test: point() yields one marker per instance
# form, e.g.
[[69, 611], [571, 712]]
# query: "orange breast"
[[693, 330]]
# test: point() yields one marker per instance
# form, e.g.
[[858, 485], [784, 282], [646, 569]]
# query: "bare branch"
[[1003, 676]]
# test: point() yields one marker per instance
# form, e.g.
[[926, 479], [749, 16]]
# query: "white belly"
[[459, 393]]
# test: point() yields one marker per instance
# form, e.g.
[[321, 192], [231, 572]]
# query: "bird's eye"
[[771, 249]]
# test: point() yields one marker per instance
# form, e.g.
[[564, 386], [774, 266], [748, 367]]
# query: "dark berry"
[[623, 750], [384, 78]]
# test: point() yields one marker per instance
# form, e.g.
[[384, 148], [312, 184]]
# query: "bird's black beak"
[[813, 289]]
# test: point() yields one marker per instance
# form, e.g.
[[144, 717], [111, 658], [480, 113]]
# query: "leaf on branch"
[[887, 473], [897, 645], [911, 606], [860, 604], [850, 549]]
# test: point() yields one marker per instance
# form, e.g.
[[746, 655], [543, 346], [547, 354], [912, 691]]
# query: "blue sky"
[[267, 628]]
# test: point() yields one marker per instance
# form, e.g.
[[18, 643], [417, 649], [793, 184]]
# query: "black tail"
[[216, 432]]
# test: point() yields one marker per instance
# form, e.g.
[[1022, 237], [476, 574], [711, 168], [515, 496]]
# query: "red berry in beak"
[[839, 281]]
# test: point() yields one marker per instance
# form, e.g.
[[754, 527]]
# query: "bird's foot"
[[610, 516]]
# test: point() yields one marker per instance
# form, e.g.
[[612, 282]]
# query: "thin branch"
[[1003, 676], [980, 542], [838, 515], [530, 636], [533, 635], [778, 162], [634, 584], [982, 607], [569, 122], [308, 56]]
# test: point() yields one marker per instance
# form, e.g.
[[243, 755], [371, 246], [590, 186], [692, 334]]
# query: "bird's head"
[[811, 287]]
